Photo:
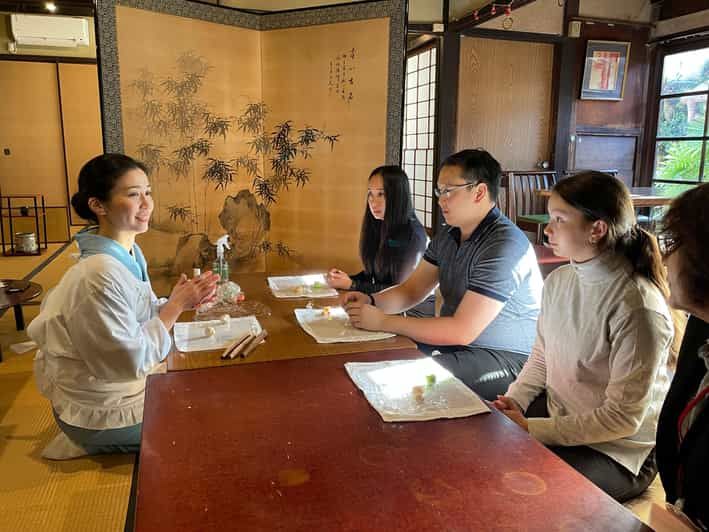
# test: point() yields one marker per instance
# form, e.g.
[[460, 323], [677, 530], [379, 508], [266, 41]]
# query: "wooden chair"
[[528, 210], [503, 198]]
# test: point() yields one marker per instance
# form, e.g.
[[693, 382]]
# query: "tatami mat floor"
[[83, 495], [89, 494]]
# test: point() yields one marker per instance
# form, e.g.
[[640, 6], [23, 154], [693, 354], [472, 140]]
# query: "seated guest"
[[597, 375], [392, 239], [101, 330], [489, 281], [683, 430]]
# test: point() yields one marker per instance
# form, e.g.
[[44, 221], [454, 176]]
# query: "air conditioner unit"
[[41, 30]]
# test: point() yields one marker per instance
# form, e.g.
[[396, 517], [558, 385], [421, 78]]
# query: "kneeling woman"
[[101, 330], [594, 383], [392, 240]]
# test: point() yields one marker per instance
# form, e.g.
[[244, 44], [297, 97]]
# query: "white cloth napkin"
[[310, 286], [192, 336], [333, 326], [388, 386]]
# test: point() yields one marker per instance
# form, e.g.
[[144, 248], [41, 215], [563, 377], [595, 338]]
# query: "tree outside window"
[[681, 140]]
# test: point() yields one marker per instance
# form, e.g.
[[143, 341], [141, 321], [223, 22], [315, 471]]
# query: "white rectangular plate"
[[191, 336], [388, 386], [333, 328], [311, 286]]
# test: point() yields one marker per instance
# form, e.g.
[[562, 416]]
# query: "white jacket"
[[603, 338], [99, 336]]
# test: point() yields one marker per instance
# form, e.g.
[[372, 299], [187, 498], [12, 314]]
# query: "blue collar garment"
[[92, 244]]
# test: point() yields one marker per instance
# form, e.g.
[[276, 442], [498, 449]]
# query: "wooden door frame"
[[424, 43], [564, 54]]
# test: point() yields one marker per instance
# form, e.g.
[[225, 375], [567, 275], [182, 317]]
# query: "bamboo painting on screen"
[[249, 133]]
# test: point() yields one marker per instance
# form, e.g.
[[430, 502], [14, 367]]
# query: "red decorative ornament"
[[493, 10], [508, 10], [475, 15]]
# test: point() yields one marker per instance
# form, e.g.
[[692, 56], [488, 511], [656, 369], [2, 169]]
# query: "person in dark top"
[[683, 428], [488, 276], [392, 240]]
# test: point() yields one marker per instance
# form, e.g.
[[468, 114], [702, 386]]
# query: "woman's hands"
[[338, 279], [512, 410], [187, 294]]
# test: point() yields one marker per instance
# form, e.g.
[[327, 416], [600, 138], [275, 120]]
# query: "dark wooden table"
[[17, 299], [286, 338], [294, 445]]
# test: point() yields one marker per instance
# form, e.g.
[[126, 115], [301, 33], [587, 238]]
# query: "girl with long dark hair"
[[392, 240], [594, 383]]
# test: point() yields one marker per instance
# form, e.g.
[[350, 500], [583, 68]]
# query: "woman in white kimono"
[[102, 330]]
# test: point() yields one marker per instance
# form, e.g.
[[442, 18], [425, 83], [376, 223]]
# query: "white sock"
[[62, 448]]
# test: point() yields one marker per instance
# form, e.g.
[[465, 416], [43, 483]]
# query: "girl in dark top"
[[683, 428], [392, 239]]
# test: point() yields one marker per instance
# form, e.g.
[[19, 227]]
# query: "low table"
[[15, 299], [286, 338], [294, 445]]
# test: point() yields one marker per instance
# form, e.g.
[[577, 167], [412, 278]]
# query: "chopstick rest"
[[239, 342], [254, 343]]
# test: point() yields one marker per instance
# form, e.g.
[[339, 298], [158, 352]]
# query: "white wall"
[[630, 10], [542, 16]]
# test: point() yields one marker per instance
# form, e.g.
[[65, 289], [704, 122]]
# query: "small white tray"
[[310, 286], [388, 388], [191, 336], [334, 328]]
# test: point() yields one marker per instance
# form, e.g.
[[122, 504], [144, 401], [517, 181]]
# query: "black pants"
[[488, 372], [603, 471]]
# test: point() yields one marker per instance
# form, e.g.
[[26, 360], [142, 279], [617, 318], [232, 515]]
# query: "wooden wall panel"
[[57, 228], [505, 100], [630, 111], [602, 152], [31, 130], [614, 118], [81, 115], [321, 221]]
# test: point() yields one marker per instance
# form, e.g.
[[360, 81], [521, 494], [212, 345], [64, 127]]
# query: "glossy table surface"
[[286, 338], [11, 299], [294, 445]]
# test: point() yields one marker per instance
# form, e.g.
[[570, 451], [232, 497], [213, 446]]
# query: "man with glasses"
[[488, 276]]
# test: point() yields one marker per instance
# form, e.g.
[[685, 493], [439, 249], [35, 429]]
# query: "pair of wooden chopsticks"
[[244, 345]]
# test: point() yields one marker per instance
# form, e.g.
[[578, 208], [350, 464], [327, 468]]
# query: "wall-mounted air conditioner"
[[41, 30]]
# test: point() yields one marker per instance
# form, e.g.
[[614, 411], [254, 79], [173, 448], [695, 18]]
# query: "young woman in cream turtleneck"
[[595, 381]]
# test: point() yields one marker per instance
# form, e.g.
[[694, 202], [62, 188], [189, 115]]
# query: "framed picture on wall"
[[605, 70]]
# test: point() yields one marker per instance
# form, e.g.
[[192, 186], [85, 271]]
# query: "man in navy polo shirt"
[[488, 276]]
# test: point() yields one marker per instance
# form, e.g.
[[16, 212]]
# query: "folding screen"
[[261, 126]]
